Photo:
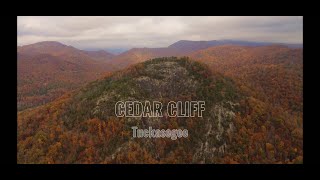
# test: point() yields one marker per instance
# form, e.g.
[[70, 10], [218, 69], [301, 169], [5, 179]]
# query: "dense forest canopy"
[[253, 112]]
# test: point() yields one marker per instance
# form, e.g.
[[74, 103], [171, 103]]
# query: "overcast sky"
[[146, 31]]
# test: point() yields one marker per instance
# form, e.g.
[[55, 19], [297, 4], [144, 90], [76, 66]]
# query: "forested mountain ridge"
[[58, 49], [239, 126]]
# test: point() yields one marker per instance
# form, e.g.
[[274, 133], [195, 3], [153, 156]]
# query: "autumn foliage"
[[265, 83]]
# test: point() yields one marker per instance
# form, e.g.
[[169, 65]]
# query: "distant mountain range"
[[48, 69], [100, 55], [181, 48], [60, 50], [197, 45]]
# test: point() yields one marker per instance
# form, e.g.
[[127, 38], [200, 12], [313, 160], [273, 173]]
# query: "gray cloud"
[[146, 31]]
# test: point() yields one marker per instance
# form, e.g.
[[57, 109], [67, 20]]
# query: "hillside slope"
[[46, 70], [273, 73]]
